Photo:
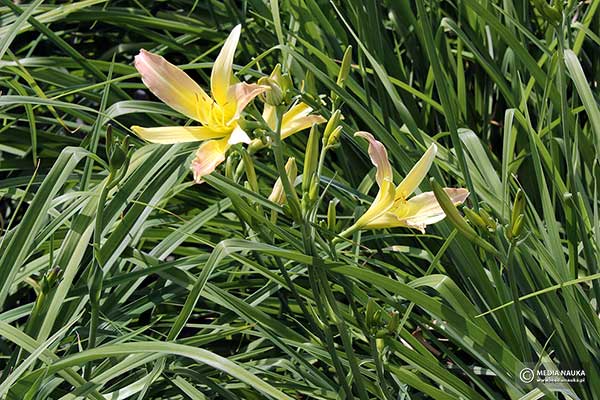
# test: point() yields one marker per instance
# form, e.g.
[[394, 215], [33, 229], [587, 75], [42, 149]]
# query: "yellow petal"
[[269, 116], [222, 71], [173, 86], [297, 119], [417, 173], [424, 209], [179, 134], [385, 198], [208, 157]]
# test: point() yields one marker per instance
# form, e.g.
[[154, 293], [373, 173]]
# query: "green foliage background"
[[204, 294]]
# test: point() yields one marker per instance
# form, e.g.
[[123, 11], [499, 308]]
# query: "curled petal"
[[379, 157], [240, 95], [424, 209], [417, 173], [385, 197], [173, 86], [222, 71], [179, 134], [208, 157]]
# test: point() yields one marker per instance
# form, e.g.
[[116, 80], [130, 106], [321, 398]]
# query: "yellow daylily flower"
[[218, 115], [294, 120], [392, 207]]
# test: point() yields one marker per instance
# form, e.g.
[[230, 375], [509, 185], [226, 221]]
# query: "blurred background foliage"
[[202, 293]]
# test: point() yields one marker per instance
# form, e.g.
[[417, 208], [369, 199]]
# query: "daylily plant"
[[392, 207], [218, 115]]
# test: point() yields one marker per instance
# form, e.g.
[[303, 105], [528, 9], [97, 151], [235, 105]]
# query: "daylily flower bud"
[[332, 125], [393, 323], [311, 158], [487, 218], [516, 227], [313, 192], [332, 215], [474, 218], [345, 67], [372, 315], [457, 220], [552, 14], [518, 206], [309, 85], [118, 156], [283, 81], [334, 137], [343, 73], [272, 96], [278, 193], [517, 216]]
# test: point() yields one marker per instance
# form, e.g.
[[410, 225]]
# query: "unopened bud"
[[278, 193], [272, 96], [393, 323], [332, 125], [372, 315], [345, 67], [334, 137], [332, 215], [311, 158], [518, 206], [516, 227], [487, 218], [474, 218]]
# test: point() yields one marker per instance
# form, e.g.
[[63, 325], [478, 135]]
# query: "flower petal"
[[179, 134], [222, 71], [417, 173], [173, 86], [240, 94], [385, 197], [269, 116], [424, 209], [379, 157], [208, 157], [297, 119], [238, 135]]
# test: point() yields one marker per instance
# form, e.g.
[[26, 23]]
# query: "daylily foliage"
[[392, 207]]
